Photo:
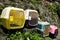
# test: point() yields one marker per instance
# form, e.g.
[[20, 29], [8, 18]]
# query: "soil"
[[2, 35], [58, 37]]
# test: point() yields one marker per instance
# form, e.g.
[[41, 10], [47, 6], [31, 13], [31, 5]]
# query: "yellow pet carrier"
[[13, 18], [31, 17]]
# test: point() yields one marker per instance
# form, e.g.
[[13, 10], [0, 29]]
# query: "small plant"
[[16, 36], [26, 35], [33, 35]]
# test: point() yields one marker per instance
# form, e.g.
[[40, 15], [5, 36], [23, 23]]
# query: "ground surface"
[[3, 35], [58, 37]]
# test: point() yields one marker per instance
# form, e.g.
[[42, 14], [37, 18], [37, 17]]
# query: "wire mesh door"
[[46, 30], [34, 18], [16, 18]]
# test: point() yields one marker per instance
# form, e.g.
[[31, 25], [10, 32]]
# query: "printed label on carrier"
[[11, 18], [29, 17]]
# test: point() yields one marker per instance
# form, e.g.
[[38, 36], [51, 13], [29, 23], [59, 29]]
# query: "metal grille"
[[46, 30], [16, 18], [34, 18]]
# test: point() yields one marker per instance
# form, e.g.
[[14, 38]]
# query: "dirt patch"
[[58, 37]]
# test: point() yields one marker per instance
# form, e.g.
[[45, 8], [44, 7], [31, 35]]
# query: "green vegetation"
[[25, 36], [53, 6], [16, 36], [36, 0], [33, 36]]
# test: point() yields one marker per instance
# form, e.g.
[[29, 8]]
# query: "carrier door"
[[34, 18], [16, 18], [46, 30]]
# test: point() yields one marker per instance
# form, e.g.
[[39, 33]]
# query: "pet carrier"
[[13, 18], [31, 17], [44, 28]]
